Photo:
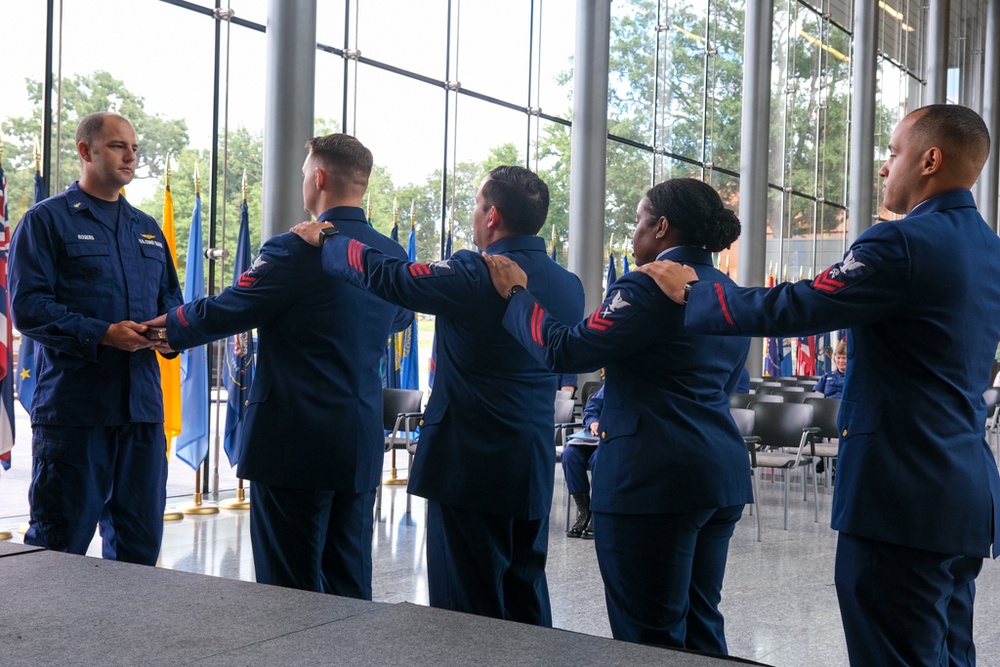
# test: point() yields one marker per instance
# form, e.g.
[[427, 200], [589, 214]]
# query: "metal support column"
[[289, 99], [754, 142], [936, 71], [862, 179], [589, 157], [991, 114]]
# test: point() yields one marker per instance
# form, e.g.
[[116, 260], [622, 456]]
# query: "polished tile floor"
[[779, 599]]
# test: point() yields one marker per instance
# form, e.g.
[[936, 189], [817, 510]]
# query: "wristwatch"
[[327, 232], [514, 290], [687, 290]]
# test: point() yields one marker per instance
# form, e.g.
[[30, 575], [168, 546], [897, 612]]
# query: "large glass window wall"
[[439, 103]]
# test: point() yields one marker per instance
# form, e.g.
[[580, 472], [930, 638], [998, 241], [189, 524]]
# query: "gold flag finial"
[[38, 156], [395, 211], [244, 186], [413, 214], [197, 181], [368, 211], [611, 244], [168, 172]]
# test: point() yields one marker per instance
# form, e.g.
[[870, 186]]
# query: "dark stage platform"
[[59, 609]]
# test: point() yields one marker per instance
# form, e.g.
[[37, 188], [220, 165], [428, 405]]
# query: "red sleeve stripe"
[[827, 284], [721, 294], [354, 249], [246, 280], [420, 270], [537, 315], [598, 323], [180, 316]]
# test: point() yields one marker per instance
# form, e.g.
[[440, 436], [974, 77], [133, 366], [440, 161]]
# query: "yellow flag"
[[170, 369]]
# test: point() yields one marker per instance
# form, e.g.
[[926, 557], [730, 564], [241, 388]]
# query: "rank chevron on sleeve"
[[598, 323], [827, 284]]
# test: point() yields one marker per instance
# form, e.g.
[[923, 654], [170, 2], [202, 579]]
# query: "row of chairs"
[[787, 435]]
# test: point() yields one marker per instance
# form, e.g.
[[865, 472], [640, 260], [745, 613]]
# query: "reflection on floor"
[[779, 599]]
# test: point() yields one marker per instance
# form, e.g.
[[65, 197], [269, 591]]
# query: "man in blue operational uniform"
[[486, 459], [917, 490], [312, 443], [86, 269]]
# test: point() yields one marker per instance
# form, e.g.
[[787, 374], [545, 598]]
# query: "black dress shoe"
[[588, 532], [581, 525]]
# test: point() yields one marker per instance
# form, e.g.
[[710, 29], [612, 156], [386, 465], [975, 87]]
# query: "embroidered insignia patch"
[[258, 269], [439, 268], [615, 309], [849, 271]]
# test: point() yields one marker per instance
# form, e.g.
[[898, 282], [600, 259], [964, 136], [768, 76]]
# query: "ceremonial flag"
[[775, 353], [6, 336], [390, 365], [170, 369], [239, 352], [192, 443], [625, 268], [409, 365], [806, 360], [433, 362], [553, 250], [25, 380], [823, 353], [612, 273]]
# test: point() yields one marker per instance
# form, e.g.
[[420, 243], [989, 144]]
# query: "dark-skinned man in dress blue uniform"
[[485, 461], [916, 493], [312, 444], [86, 269]]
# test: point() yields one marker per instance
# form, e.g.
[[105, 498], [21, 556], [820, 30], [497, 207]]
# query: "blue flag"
[[239, 353], [25, 380], [409, 363], [192, 443], [434, 342], [625, 268], [390, 362], [612, 273]]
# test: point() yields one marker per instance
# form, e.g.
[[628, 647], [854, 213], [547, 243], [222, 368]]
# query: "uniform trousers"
[[576, 460], [313, 540], [905, 606], [110, 477], [663, 575], [488, 564]]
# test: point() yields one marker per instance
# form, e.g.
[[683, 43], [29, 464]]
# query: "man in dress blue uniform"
[[917, 486], [312, 443], [485, 461], [86, 268]]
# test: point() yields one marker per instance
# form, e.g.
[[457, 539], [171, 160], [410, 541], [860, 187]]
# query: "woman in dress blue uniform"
[[672, 476]]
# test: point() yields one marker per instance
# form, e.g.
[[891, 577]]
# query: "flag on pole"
[[625, 268], [409, 365], [390, 365], [447, 256], [25, 380], [6, 335], [612, 273], [806, 359], [192, 443], [775, 352], [170, 369], [239, 351]]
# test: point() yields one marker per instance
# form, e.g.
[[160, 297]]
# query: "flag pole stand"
[[173, 516], [22, 529], [5, 535], [240, 502], [197, 507], [393, 479]]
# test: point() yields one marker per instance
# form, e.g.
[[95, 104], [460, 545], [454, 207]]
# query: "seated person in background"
[[743, 384], [832, 383], [576, 459]]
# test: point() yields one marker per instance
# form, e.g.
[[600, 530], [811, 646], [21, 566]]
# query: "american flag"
[[6, 338]]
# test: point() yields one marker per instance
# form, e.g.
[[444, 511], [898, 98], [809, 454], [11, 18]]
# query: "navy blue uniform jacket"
[[72, 275], [923, 297], [486, 439], [314, 417], [668, 441]]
